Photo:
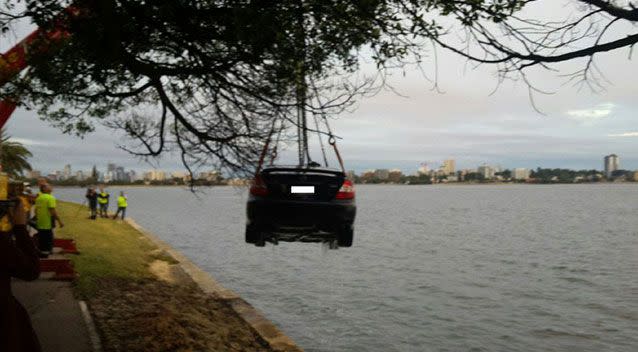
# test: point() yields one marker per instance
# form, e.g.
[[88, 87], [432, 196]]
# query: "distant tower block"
[[449, 166], [612, 163]]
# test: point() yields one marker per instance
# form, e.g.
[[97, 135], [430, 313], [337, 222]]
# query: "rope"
[[265, 149], [333, 143], [323, 150], [273, 155]]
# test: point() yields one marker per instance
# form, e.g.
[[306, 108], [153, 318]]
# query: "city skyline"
[[114, 172], [447, 173]]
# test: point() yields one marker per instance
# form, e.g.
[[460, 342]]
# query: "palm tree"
[[13, 156]]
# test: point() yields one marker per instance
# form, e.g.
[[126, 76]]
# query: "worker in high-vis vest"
[[103, 201], [121, 206], [45, 218]]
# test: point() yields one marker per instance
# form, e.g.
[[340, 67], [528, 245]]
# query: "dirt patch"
[[150, 315], [159, 254], [170, 273]]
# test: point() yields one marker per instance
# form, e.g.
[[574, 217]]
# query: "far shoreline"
[[452, 184], [497, 184]]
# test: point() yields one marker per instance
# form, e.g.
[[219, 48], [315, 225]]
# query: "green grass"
[[108, 248]]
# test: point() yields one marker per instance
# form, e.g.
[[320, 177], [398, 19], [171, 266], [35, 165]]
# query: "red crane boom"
[[17, 58]]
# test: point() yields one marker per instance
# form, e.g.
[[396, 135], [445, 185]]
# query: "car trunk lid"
[[302, 183]]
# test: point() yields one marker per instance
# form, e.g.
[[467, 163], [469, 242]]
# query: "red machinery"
[[17, 58]]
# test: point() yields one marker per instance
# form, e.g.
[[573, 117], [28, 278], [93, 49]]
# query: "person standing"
[[45, 218], [41, 181], [121, 205], [28, 201], [103, 200], [91, 197], [19, 259], [23, 193]]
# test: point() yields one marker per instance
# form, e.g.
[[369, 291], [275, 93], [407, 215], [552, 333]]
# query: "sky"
[[464, 122]]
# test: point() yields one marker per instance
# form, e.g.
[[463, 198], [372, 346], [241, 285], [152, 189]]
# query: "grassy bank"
[[109, 248], [137, 301]]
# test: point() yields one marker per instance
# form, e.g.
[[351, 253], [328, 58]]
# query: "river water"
[[433, 268]]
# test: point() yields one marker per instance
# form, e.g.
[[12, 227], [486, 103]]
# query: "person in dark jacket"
[[19, 259], [91, 196]]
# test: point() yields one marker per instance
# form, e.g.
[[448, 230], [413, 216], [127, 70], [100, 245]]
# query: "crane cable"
[[331, 137]]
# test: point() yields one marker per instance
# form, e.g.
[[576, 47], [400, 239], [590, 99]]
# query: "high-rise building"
[[612, 163], [132, 175], [66, 174], [79, 175], [110, 167], [155, 175], [449, 166], [109, 177], [520, 173], [119, 174], [487, 171]]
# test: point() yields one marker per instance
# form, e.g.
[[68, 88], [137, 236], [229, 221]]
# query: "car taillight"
[[258, 187], [346, 191]]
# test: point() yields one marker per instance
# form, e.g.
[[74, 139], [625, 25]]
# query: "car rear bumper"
[[270, 214]]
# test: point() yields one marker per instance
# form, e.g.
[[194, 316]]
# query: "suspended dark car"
[[307, 202], [304, 204]]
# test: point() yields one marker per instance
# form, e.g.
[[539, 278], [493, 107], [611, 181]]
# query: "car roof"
[[297, 168]]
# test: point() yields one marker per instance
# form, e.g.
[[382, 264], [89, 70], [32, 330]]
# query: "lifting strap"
[[265, 149]]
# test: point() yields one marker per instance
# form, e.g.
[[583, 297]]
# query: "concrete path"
[[56, 315]]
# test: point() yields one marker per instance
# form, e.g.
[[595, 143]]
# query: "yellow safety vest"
[[102, 198], [25, 203], [121, 202]]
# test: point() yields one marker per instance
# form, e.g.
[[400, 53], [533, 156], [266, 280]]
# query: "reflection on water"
[[450, 268]]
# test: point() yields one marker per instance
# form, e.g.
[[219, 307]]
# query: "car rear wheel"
[[344, 238], [254, 236]]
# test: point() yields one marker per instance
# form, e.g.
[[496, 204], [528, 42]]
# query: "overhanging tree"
[[210, 78], [207, 78], [500, 33]]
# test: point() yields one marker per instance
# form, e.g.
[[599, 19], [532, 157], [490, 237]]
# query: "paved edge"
[[275, 338], [96, 344]]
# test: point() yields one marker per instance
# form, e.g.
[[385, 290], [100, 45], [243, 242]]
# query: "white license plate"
[[302, 189]]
